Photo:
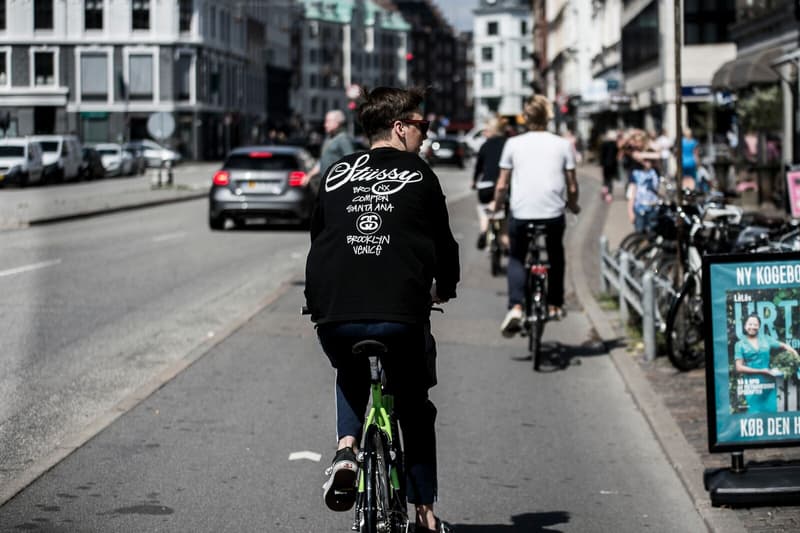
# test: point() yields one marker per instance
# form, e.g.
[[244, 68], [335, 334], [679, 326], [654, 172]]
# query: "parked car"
[[447, 150], [92, 166], [154, 153], [20, 161], [139, 160], [262, 182], [62, 157], [116, 161], [473, 139]]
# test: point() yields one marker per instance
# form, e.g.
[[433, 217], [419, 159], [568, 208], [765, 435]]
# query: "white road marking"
[[169, 236], [28, 268], [311, 456]]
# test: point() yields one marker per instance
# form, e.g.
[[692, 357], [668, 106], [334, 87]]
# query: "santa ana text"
[[768, 274], [771, 427]]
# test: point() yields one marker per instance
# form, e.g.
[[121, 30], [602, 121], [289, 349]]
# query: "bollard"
[[604, 252], [648, 316], [624, 271]]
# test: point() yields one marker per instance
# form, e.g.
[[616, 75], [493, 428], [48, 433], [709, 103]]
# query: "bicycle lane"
[[519, 451]]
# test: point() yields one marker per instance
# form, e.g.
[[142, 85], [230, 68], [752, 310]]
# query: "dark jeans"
[[516, 262], [409, 366]]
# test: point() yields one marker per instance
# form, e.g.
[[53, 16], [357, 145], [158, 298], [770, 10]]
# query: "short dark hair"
[[383, 105]]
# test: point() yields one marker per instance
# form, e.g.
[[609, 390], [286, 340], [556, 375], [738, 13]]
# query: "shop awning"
[[747, 70]]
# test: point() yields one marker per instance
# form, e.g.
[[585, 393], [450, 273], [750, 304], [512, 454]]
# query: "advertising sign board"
[[752, 307]]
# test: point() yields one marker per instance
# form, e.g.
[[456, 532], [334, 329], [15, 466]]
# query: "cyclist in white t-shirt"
[[540, 169]]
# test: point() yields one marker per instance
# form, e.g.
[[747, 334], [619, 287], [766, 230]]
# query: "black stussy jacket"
[[380, 234]]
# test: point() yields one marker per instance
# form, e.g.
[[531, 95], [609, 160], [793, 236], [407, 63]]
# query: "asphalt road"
[[125, 296]]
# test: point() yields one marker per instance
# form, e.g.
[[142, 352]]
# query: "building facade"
[[99, 69], [503, 47], [343, 44]]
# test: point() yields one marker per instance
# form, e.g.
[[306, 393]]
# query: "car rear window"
[[261, 162], [12, 151], [108, 151], [445, 143], [49, 146]]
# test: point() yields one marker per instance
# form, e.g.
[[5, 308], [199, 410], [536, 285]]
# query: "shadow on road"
[[558, 356], [523, 523]]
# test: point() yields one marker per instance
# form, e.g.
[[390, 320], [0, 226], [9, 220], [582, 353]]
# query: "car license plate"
[[266, 188], [2, 177]]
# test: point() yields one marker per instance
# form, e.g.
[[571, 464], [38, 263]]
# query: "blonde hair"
[[538, 111]]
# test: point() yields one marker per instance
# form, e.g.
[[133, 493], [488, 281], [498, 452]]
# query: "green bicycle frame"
[[380, 415]]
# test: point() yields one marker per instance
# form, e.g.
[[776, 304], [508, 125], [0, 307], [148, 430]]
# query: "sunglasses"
[[422, 125]]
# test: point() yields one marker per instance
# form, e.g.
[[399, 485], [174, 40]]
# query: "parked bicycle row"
[[671, 246], [45, 159]]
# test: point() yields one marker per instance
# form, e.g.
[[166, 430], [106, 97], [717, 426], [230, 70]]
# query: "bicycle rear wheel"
[[537, 315], [685, 341], [377, 504]]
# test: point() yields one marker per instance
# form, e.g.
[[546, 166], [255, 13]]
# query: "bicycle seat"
[[370, 347]]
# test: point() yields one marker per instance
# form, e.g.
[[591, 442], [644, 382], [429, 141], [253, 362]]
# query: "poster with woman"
[[752, 303]]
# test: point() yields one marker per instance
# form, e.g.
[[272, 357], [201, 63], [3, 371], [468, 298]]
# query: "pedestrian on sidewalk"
[[487, 169], [643, 195], [539, 167], [336, 145], [609, 162], [369, 275]]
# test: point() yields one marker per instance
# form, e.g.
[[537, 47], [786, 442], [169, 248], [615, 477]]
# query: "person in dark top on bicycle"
[[380, 235], [486, 172], [539, 167]]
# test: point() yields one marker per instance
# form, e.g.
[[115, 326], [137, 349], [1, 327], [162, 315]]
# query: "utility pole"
[[678, 15]]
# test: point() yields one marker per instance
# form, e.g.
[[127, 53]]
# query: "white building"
[[100, 68], [503, 44]]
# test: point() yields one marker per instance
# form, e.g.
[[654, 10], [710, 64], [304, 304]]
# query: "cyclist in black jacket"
[[380, 235]]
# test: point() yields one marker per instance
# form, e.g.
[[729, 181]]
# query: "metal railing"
[[637, 288]]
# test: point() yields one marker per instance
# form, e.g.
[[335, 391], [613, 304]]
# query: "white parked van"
[[20, 161], [62, 156]]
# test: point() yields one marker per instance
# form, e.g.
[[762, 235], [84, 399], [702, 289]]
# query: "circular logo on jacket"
[[368, 223]]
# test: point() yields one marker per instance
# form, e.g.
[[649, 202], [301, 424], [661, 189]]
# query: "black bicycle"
[[536, 269]]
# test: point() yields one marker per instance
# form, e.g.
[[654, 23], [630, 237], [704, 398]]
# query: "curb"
[[116, 209], [681, 456]]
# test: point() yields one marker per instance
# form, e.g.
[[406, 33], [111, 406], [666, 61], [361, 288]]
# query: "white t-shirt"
[[537, 161]]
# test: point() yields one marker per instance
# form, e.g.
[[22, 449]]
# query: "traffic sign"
[[160, 125]]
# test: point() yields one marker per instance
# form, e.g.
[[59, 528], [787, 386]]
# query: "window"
[[523, 77], [183, 77], [487, 53], [640, 39], [42, 14], [44, 68], [4, 78], [140, 14], [707, 22], [491, 28], [94, 76], [140, 77], [2, 14], [487, 80], [523, 27], [212, 22], [185, 15], [523, 53], [93, 15]]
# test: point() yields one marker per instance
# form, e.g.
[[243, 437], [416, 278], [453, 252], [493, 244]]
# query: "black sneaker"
[[482, 241], [339, 491]]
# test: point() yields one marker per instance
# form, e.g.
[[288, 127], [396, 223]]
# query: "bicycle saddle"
[[369, 346]]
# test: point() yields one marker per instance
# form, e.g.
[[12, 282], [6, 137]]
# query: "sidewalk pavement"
[[38, 205], [674, 402]]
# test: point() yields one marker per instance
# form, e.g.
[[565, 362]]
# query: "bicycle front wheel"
[[377, 506], [685, 341]]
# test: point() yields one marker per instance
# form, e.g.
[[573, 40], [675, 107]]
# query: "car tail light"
[[222, 178], [297, 178], [260, 155], [539, 270]]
